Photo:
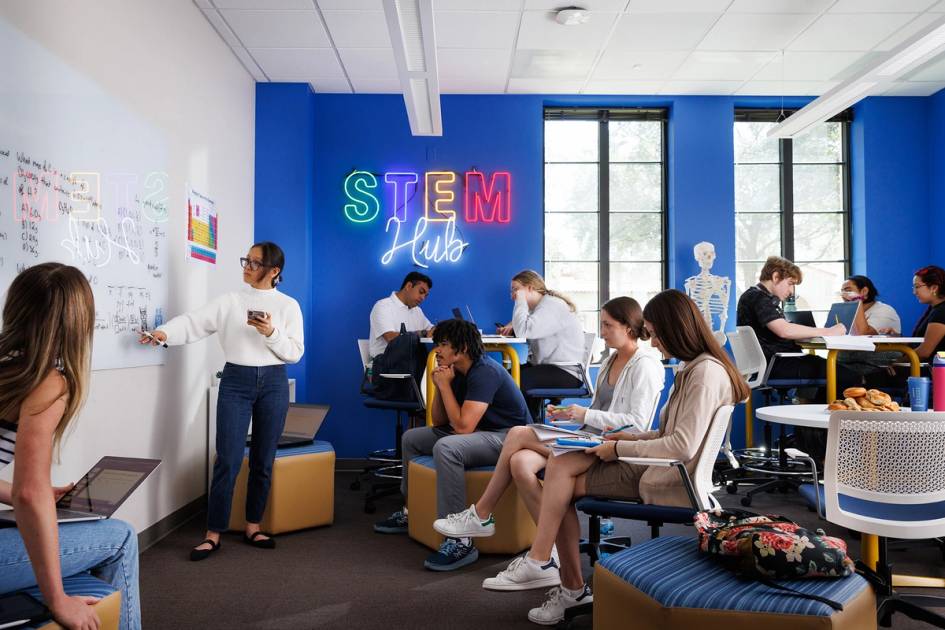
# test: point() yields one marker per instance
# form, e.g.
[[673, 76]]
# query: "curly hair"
[[462, 335]]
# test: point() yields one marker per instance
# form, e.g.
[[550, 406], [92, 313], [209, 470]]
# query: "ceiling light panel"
[[722, 66], [552, 64], [357, 29], [755, 31], [850, 32], [539, 30], [661, 31], [285, 63], [476, 29], [277, 29]]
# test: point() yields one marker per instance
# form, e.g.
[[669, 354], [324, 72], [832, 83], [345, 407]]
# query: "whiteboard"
[[83, 181]]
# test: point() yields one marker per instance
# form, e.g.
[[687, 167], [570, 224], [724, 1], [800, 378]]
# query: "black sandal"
[[265, 543], [202, 554]]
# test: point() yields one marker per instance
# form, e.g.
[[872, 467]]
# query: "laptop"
[[804, 318], [302, 422], [100, 491], [842, 312]]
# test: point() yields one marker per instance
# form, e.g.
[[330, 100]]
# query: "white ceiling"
[[626, 47]]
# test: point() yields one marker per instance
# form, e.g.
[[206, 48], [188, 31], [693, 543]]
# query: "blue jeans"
[[260, 393], [109, 549]]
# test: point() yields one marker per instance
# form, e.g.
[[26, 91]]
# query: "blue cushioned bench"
[[668, 583]]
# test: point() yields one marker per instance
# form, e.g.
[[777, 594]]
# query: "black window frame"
[[786, 179], [603, 115]]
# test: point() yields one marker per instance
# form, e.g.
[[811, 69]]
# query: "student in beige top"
[[708, 380]]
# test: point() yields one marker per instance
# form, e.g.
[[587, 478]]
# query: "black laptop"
[[101, 491], [302, 422], [804, 318]]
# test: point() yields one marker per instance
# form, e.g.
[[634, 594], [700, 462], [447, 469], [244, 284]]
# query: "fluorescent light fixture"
[[924, 46], [410, 23]]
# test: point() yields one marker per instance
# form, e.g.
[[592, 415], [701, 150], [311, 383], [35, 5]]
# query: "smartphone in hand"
[[251, 314]]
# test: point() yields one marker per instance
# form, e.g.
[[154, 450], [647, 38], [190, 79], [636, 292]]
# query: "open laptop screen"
[[304, 420], [107, 485]]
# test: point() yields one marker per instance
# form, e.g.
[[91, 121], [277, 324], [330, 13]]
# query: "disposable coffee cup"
[[919, 393]]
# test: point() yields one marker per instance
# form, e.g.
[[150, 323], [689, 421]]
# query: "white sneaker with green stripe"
[[465, 524]]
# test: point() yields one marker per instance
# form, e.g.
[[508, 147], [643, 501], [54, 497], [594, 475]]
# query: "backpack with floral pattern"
[[769, 548]]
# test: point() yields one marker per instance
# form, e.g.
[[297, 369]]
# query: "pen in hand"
[[617, 430]]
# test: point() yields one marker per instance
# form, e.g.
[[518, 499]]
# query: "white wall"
[[165, 62]]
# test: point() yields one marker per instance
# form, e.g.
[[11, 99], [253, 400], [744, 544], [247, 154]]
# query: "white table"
[[813, 416]]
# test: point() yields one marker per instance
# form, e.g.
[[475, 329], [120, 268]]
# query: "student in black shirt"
[[760, 308], [928, 284]]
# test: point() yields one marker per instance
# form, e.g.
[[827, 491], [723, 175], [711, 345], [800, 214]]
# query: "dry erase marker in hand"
[[152, 337]]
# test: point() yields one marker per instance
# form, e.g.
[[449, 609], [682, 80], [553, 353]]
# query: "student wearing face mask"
[[873, 317]]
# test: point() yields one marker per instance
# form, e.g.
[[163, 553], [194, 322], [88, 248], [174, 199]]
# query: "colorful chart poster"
[[201, 227]]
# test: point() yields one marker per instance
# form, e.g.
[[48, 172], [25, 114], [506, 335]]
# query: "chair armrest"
[[650, 461], [683, 473], [794, 453], [789, 354], [395, 376]]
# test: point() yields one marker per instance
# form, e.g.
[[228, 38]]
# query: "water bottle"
[[938, 382], [607, 525], [790, 304]]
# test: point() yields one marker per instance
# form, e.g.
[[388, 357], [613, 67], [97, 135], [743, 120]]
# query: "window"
[[605, 201], [792, 199]]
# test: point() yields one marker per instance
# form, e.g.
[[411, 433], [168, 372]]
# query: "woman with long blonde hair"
[[548, 321], [45, 364]]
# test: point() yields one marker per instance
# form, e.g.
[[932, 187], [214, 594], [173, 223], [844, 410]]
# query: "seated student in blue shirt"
[[476, 404]]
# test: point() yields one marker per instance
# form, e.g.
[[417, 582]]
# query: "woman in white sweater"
[[628, 389], [630, 379], [548, 321], [260, 331]]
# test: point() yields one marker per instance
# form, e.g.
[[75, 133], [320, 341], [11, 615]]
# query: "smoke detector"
[[572, 16]]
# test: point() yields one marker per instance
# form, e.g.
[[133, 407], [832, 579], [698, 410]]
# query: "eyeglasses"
[[253, 265], [916, 287]]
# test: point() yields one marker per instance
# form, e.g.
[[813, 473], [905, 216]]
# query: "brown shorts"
[[614, 480]]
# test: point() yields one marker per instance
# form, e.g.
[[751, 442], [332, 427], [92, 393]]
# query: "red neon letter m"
[[493, 201]]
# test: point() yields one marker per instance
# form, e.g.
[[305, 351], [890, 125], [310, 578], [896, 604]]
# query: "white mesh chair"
[[885, 476]]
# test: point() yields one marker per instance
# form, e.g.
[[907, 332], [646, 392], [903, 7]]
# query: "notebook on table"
[[100, 491]]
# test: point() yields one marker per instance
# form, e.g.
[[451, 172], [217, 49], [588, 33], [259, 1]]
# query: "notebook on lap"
[[100, 491]]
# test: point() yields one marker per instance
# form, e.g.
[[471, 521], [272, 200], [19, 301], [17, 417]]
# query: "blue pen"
[[617, 430]]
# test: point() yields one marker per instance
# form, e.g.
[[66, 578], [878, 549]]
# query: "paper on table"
[[849, 342]]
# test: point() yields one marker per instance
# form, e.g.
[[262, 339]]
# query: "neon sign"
[[434, 238]]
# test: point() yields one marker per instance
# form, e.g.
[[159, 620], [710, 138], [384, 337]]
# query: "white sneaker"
[[522, 575], [552, 611], [465, 524]]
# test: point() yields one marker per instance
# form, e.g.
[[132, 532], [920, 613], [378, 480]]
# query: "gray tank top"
[[605, 394]]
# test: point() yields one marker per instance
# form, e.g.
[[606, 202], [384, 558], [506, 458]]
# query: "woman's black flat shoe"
[[262, 543], [203, 554]]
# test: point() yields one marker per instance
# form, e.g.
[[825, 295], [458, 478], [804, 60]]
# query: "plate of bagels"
[[862, 399]]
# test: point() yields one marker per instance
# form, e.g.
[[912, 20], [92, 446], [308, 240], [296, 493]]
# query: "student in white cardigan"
[[630, 379], [548, 321], [628, 389], [260, 331]]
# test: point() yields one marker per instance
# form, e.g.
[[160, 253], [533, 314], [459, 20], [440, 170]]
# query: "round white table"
[[813, 416]]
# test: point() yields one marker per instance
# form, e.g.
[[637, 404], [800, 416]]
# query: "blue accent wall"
[[308, 143]]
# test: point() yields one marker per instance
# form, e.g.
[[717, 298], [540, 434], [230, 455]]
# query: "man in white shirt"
[[402, 307]]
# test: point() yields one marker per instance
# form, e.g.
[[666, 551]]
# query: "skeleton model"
[[708, 291]]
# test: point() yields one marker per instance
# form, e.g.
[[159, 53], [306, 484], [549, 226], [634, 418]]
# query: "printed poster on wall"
[[201, 227]]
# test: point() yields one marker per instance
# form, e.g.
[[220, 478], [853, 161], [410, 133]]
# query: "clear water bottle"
[[606, 527], [790, 305]]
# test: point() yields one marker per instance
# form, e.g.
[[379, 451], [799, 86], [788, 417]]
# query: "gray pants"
[[452, 454]]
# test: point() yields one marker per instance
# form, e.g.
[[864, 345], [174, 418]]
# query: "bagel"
[[854, 392], [837, 405], [891, 406], [852, 404], [878, 398], [866, 405]]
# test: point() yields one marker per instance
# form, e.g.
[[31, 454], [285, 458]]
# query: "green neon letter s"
[[366, 207]]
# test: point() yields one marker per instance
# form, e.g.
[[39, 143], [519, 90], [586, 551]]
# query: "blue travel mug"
[[919, 393]]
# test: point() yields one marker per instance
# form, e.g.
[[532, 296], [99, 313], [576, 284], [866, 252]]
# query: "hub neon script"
[[445, 197]]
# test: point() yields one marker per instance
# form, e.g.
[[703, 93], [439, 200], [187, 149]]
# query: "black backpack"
[[404, 355]]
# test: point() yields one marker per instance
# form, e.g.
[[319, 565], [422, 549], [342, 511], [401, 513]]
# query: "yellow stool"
[[514, 528], [302, 493], [108, 607]]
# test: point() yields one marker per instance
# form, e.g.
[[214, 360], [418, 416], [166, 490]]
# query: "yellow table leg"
[[507, 351], [832, 375], [915, 365]]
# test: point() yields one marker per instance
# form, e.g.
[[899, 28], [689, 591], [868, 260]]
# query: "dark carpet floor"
[[346, 576]]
